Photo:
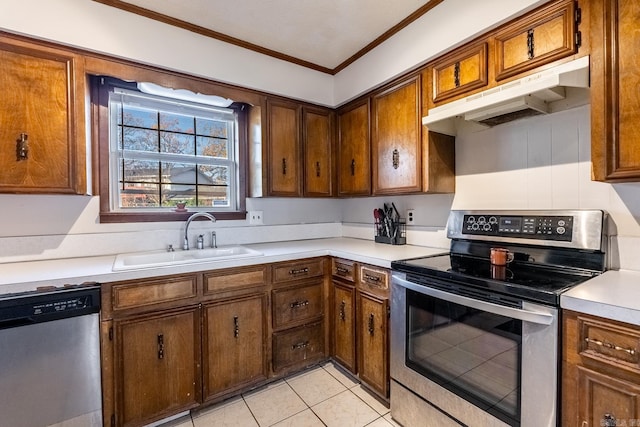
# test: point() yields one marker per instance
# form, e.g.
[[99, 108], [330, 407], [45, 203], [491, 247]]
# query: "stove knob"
[[482, 220], [560, 230], [475, 226], [486, 227], [471, 219], [493, 220]]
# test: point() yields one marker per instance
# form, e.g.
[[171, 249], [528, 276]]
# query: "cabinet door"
[[41, 136], [354, 167], [615, 83], [234, 341], [606, 401], [284, 159], [396, 142], [318, 130], [373, 343], [298, 347], [546, 35], [460, 72], [158, 365], [344, 328]]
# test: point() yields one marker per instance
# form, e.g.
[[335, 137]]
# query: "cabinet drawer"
[[460, 72], [544, 36], [344, 269], [292, 306], [288, 272], [299, 346], [234, 279], [151, 292], [609, 343], [373, 279]]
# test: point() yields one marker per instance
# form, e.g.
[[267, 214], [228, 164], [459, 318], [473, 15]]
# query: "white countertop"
[[615, 294], [26, 276]]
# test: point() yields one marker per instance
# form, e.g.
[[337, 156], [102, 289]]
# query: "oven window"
[[472, 353]]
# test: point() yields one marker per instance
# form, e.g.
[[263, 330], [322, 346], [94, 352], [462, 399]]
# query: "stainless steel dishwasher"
[[50, 358]]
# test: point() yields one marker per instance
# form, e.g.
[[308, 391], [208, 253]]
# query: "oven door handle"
[[514, 313]]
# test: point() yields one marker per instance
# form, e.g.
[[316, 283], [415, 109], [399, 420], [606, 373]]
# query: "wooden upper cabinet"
[[459, 72], [396, 139], [317, 137], [615, 84], [284, 164], [42, 135], [354, 155], [545, 35]]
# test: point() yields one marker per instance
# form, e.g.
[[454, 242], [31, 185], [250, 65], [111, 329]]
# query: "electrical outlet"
[[255, 218], [411, 216]]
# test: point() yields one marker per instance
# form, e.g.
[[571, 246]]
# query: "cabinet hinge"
[[578, 16], [111, 333], [113, 420], [388, 311], [578, 38]]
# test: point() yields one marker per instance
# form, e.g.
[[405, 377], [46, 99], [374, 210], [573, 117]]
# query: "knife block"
[[398, 233]]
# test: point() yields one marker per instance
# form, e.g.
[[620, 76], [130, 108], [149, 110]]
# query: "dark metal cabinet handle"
[[353, 167], [299, 271], [160, 346], [298, 304], [608, 420], [22, 148], [236, 327], [370, 278], [612, 346], [530, 44], [395, 159], [371, 328], [318, 169], [343, 314], [456, 74], [284, 166], [342, 271], [300, 345]]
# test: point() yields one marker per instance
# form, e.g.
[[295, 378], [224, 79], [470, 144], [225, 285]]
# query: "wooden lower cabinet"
[[373, 342], [344, 325], [234, 343], [298, 347], [157, 366]]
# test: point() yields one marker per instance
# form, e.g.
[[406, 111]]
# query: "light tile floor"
[[320, 396]]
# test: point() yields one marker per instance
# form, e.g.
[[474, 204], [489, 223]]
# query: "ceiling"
[[325, 35]]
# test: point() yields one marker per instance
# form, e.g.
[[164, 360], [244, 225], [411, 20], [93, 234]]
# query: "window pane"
[[139, 195], [140, 171], [139, 117], [179, 173], [140, 139], [212, 147], [208, 127], [213, 196], [213, 174], [173, 194], [176, 143], [176, 122]]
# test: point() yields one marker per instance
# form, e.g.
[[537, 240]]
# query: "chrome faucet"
[[185, 242]]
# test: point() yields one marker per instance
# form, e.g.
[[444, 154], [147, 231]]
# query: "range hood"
[[548, 91]]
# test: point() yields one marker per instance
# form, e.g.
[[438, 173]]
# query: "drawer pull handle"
[[343, 314], [456, 74], [370, 278], [530, 45], [293, 272], [318, 169], [236, 327], [284, 166], [395, 159], [300, 345], [298, 304], [342, 271], [160, 346], [612, 346], [353, 167], [371, 327], [22, 148]]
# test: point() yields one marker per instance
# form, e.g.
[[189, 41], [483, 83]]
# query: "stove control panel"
[[558, 228]]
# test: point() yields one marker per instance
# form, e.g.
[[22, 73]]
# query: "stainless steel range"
[[475, 332]]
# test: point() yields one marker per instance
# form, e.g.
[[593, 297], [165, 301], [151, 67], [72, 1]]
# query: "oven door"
[[480, 362]]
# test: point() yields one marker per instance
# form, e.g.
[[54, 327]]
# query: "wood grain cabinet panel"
[[460, 72], [543, 36], [344, 325], [298, 347], [354, 150], [42, 135], [396, 139], [317, 137], [297, 270], [297, 305], [234, 338], [615, 84], [157, 368], [284, 153], [373, 342]]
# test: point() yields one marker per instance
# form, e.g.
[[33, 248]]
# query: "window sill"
[[121, 217]]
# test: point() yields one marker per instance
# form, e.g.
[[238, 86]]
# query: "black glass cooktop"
[[531, 281]]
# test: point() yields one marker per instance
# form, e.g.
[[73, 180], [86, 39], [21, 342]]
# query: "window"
[[163, 152]]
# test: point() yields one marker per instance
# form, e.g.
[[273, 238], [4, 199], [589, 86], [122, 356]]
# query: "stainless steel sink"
[[132, 261]]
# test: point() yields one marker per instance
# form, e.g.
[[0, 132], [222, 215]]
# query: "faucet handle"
[[200, 241], [170, 248]]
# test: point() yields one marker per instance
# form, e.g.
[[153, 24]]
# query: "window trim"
[[100, 88]]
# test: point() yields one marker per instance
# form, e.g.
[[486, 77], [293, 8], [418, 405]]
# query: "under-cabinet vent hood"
[[555, 89]]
